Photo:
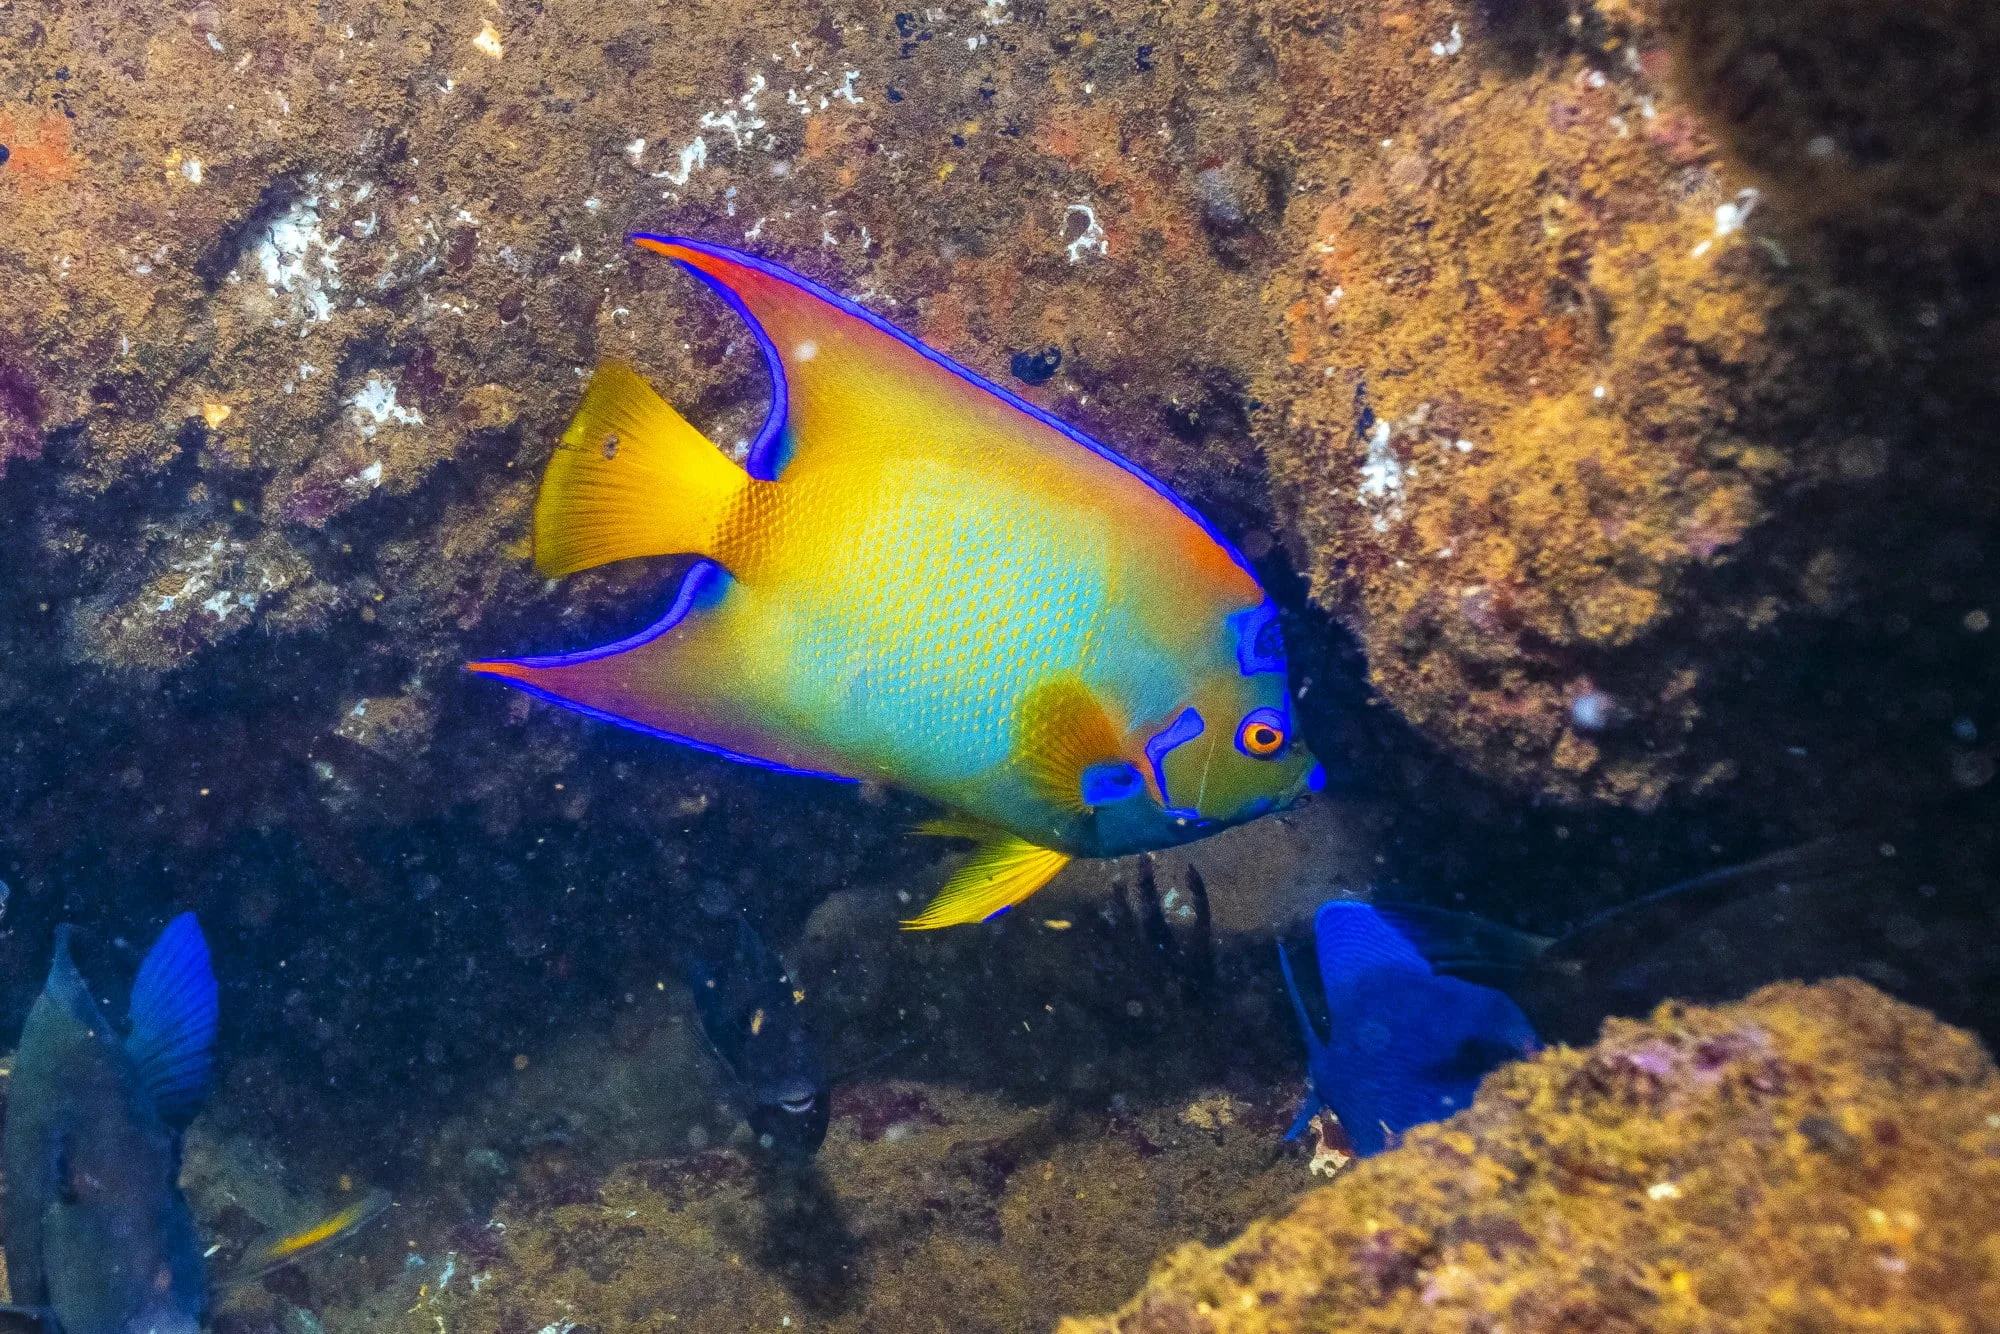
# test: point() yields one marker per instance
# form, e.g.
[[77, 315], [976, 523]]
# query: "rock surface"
[[1573, 413], [1811, 1158]]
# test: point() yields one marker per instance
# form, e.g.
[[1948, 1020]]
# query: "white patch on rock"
[[1381, 473], [375, 406], [693, 157], [1730, 217], [296, 259], [1092, 238]]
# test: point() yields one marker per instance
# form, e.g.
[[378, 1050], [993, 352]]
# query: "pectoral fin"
[[1063, 732], [1000, 873]]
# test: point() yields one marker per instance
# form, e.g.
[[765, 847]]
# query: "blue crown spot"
[[1260, 640]]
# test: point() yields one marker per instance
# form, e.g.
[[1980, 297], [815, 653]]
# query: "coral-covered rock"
[[1561, 404], [1812, 1158], [926, 1205], [1552, 397]]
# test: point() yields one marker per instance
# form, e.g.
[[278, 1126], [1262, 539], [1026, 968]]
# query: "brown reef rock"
[[1568, 389], [1572, 350], [1812, 1158]]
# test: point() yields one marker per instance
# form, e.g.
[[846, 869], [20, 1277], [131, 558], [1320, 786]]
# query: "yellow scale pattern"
[[911, 624]]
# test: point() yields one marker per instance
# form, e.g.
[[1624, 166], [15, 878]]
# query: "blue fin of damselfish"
[[173, 1009], [1312, 1104]]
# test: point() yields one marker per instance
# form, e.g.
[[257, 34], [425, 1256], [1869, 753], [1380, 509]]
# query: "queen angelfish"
[[917, 578]]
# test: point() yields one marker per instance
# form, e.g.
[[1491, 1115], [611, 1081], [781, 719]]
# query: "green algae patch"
[[1815, 1157]]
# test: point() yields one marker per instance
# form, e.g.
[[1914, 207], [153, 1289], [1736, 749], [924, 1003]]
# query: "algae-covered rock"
[[1576, 354], [1577, 410], [928, 1208], [1815, 1157]]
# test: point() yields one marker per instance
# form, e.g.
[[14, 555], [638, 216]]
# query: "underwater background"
[[1605, 393]]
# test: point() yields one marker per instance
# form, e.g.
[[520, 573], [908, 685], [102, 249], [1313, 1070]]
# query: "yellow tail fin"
[[999, 874], [630, 478]]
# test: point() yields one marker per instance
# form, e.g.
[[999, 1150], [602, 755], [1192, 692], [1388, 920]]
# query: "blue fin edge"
[[1312, 1103], [1400, 952], [764, 448], [173, 1012], [699, 577]]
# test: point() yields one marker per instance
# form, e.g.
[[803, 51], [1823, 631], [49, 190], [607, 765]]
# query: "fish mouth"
[[798, 1106]]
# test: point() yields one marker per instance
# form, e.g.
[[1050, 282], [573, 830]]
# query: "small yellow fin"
[[1061, 730], [960, 826], [999, 874], [630, 478], [276, 1254]]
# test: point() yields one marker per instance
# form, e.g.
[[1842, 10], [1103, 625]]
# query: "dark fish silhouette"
[[1405, 1044], [753, 1015], [1907, 913], [98, 1235]]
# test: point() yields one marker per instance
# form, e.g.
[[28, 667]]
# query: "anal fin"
[[1000, 873]]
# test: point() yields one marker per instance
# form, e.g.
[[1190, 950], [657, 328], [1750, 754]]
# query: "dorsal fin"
[[1353, 938], [1061, 730], [65, 985], [173, 1021], [844, 378]]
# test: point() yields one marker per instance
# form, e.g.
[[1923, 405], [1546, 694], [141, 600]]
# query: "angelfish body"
[[920, 579]]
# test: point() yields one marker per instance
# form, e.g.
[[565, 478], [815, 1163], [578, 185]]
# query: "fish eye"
[[1262, 734]]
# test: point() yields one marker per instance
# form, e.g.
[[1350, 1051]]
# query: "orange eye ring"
[[1262, 735]]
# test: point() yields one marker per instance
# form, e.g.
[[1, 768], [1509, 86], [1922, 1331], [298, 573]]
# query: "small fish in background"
[[917, 578], [99, 1237], [1893, 908], [753, 1015], [98, 1233], [1406, 1044]]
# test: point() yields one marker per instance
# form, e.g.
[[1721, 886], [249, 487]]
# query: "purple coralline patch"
[[20, 413], [877, 1108]]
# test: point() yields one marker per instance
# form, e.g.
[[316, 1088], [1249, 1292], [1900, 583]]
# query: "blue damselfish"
[[1407, 1044]]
